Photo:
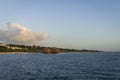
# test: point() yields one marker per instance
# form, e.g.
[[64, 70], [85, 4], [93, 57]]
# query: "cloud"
[[17, 34]]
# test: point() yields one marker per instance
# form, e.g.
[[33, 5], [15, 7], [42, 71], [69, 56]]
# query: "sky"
[[78, 24]]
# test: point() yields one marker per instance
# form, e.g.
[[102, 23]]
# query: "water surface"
[[65, 66]]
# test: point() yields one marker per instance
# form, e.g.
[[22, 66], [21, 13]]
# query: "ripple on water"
[[76, 66]]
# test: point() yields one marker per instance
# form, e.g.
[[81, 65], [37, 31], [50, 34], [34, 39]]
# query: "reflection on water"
[[66, 66]]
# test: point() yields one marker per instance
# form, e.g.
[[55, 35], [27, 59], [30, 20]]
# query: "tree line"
[[33, 48]]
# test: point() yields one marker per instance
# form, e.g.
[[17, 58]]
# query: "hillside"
[[38, 49]]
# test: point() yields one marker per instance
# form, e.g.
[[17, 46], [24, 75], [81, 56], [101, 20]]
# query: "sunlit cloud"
[[18, 34]]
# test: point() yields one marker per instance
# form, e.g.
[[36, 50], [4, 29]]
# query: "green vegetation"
[[36, 49]]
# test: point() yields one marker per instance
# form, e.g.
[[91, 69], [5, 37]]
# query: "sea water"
[[64, 66]]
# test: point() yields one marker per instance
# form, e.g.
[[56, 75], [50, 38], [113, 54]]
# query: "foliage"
[[26, 48]]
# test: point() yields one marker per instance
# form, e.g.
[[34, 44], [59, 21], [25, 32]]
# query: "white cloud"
[[18, 34]]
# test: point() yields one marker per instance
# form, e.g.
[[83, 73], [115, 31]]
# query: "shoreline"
[[33, 52], [15, 52]]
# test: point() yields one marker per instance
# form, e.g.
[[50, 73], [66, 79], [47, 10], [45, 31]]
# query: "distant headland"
[[38, 49]]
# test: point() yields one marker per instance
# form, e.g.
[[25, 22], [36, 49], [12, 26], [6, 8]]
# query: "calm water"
[[66, 66]]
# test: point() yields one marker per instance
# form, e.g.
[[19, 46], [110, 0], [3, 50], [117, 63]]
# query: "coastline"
[[15, 52], [35, 52]]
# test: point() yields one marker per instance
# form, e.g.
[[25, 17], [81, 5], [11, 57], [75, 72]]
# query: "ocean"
[[64, 66]]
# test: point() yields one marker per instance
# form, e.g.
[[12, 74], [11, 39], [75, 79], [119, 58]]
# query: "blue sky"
[[79, 24]]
